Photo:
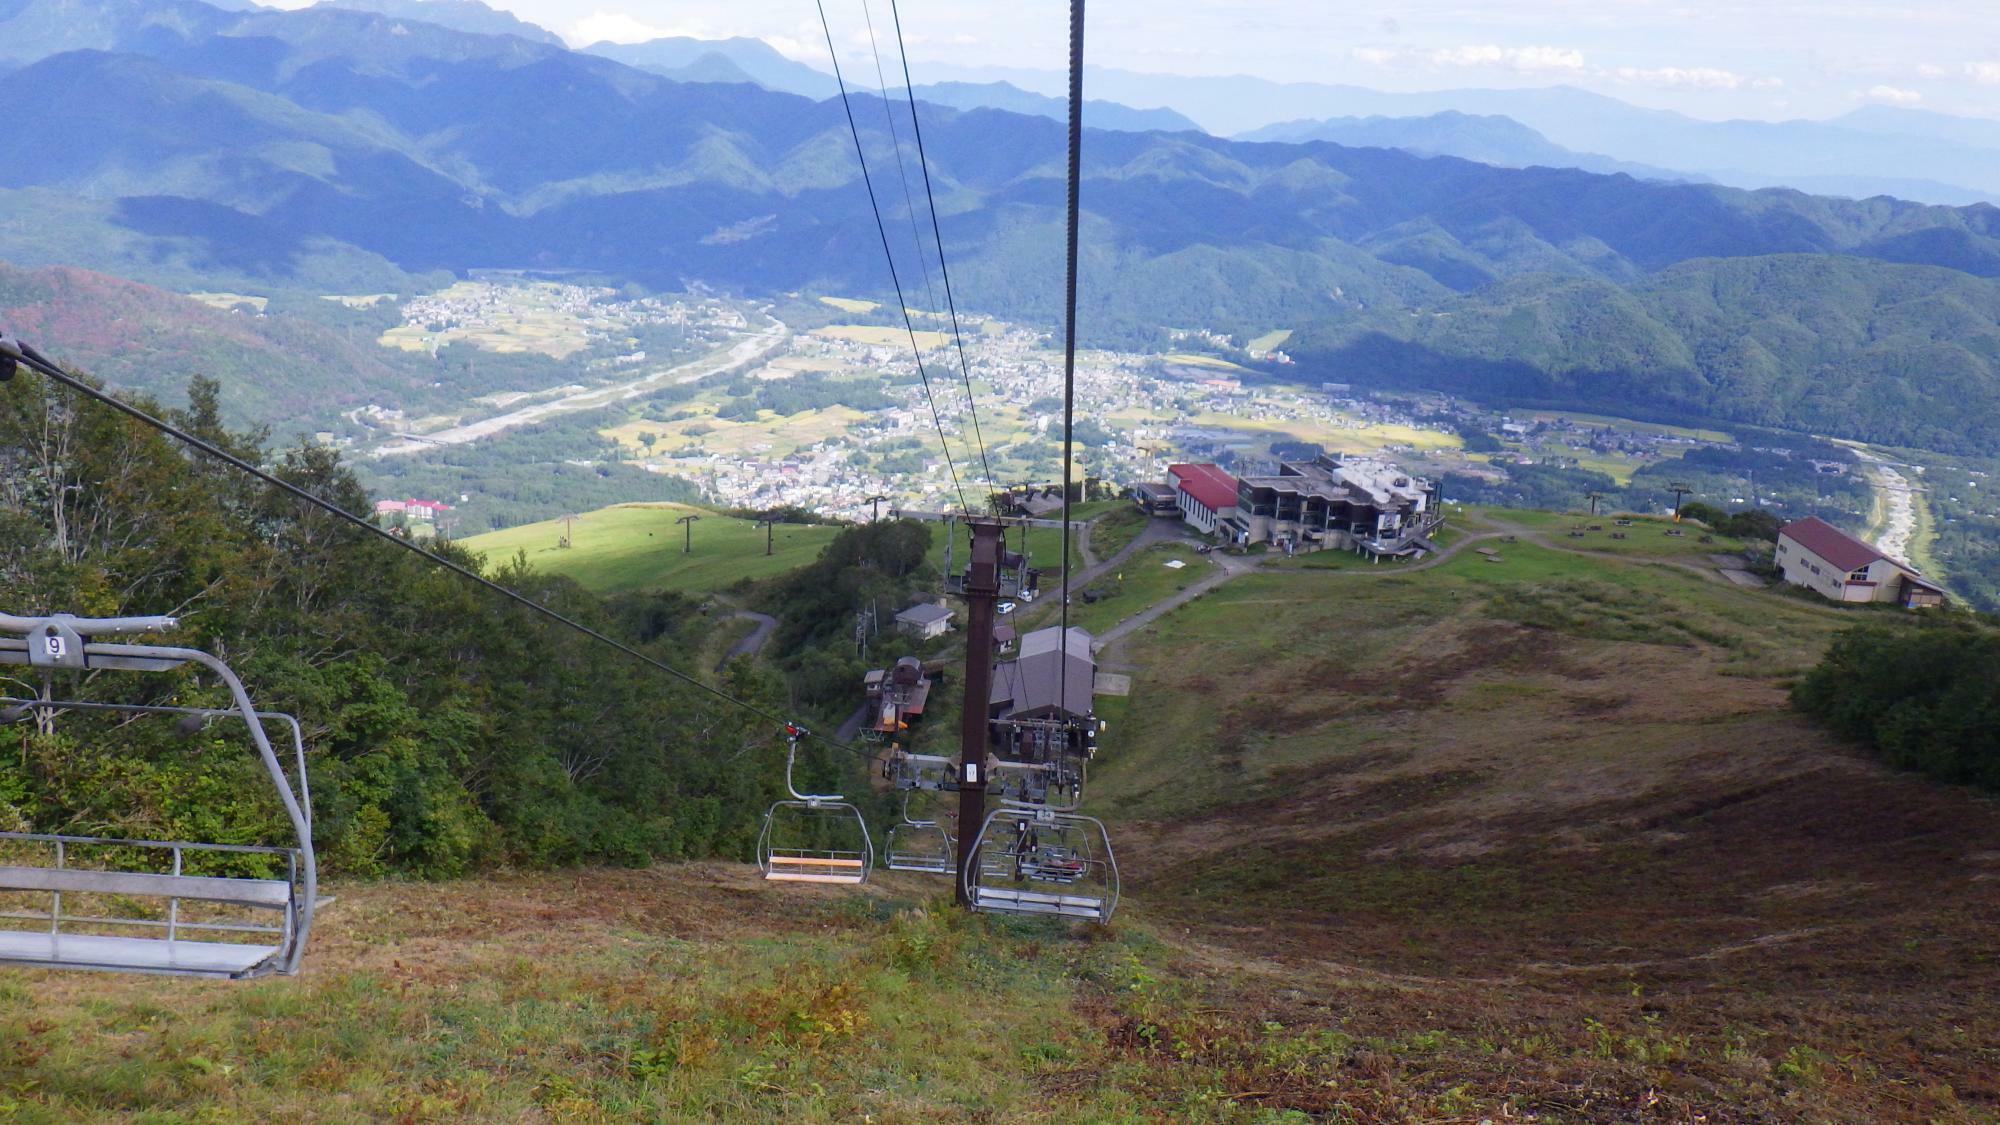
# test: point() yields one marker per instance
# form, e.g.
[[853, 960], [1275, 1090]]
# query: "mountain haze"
[[1500, 141], [1851, 155]]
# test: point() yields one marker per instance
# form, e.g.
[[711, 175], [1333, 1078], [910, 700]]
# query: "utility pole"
[[1594, 498], [687, 543], [769, 523], [982, 590], [1680, 492], [874, 507]]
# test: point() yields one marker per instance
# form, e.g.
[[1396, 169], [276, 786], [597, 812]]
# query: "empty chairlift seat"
[[813, 837], [181, 908], [921, 846]]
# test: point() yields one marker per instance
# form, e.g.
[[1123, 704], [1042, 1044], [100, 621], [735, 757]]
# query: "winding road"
[[753, 643]]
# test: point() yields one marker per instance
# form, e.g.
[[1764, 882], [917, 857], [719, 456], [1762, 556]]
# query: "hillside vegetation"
[[1458, 858], [447, 730]]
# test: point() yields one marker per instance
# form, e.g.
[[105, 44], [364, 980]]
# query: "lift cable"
[[937, 234], [882, 229], [13, 349], [902, 169], [1069, 316]]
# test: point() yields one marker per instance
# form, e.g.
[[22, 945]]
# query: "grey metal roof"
[[1034, 681], [926, 613]]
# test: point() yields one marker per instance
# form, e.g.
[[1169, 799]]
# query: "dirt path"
[[747, 350], [1234, 565]]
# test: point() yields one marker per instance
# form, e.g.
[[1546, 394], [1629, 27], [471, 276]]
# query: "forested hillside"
[[446, 730], [1904, 355]]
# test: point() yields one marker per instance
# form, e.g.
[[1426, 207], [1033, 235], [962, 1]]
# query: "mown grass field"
[[638, 547], [1140, 581]]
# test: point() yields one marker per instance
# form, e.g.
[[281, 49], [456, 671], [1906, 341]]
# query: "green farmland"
[[639, 547]]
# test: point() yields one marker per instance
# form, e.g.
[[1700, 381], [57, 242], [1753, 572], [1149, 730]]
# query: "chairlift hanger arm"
[[90, 626], [945, 517]]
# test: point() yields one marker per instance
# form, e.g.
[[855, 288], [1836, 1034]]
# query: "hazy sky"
[[1747, 58]]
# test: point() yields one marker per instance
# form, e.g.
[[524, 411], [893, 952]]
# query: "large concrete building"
[[1362, 504], [1819, 556]]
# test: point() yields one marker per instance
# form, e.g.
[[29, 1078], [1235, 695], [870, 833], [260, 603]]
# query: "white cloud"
[[1682, 77], [618, 27], [1984, 73], [1930, 70], [1892, 96], [1511, 58], [1485, 55]]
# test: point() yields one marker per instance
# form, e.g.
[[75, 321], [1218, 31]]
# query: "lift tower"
[[1680, 492], [982, 591]]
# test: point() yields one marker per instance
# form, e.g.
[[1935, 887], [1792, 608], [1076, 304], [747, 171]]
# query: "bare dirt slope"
[[1555, 817]]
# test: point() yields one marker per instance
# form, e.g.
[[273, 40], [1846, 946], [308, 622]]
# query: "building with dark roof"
[[1042, 699], [1154, 498], [925, 620], [1819, 556], [1052, 677]]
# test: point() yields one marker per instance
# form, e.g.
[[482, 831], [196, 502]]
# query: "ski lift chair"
[[1043, 862], [920, 845], [787, 850], [99, 890]]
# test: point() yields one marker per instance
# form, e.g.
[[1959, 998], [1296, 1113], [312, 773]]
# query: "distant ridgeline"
[[257, 150]]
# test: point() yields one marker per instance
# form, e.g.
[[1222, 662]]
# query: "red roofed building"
[[1819, 556], [1206, 494]]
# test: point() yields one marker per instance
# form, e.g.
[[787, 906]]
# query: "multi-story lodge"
[[1362, 504]]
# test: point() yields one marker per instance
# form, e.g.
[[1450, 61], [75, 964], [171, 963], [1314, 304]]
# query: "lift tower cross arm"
[[982, 590]]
